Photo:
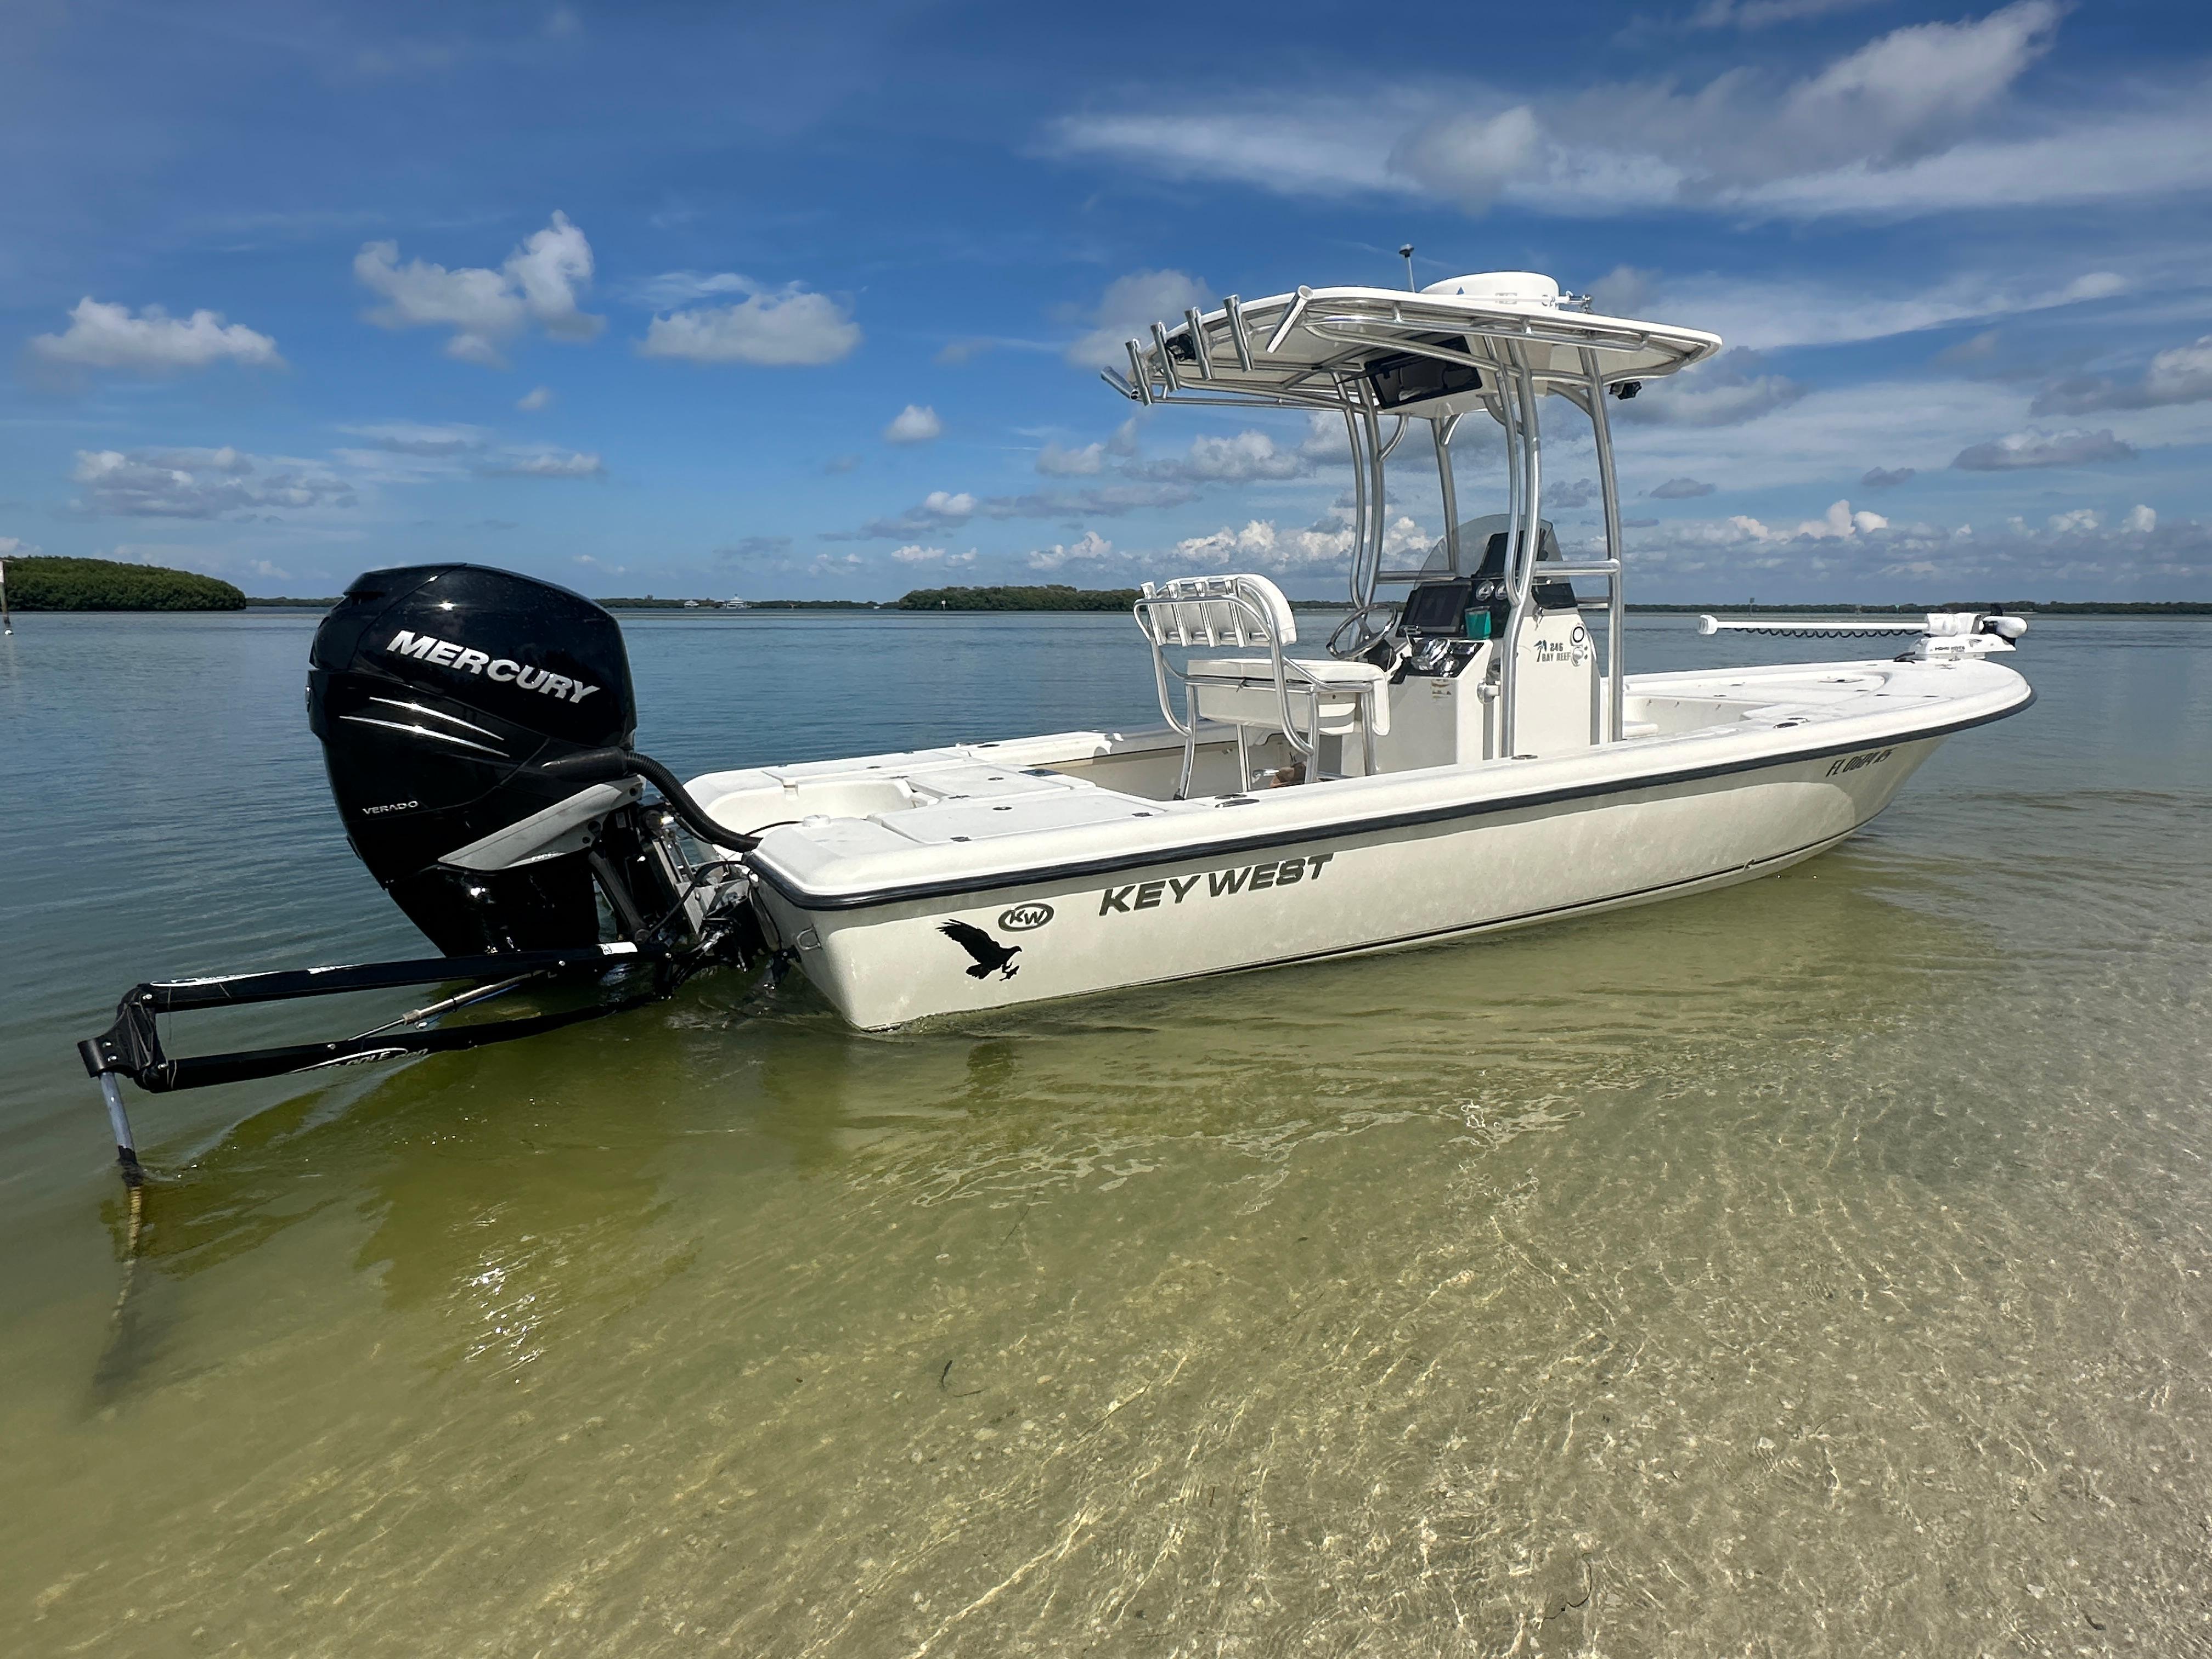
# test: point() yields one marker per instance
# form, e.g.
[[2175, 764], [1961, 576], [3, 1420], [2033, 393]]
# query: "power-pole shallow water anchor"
[[127, 1149], [131, 1048]]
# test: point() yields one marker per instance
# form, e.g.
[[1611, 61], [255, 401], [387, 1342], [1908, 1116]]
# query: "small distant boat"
[[1463, 758]]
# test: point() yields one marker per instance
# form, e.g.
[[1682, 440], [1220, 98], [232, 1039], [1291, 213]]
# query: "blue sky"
[[691, 298]]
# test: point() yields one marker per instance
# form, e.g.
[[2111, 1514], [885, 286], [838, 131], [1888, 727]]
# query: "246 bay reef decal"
[[1217, 883]]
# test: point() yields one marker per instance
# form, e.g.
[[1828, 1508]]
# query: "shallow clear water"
[[1816, 1266]]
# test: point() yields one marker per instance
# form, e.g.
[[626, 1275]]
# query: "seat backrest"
[[1243, 610]]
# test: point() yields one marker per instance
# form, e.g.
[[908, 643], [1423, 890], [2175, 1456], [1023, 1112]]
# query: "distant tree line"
[[1057, 596], [649, 603], [44, 583]]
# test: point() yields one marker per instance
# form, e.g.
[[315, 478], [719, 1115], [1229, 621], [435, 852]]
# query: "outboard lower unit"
[[477, 726]]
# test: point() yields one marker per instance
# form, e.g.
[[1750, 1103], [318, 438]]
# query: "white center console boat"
[[1465, 756], [1464, 759]]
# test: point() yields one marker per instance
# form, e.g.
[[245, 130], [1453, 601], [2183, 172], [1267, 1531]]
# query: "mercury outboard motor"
[[440, 693], [477, 727]]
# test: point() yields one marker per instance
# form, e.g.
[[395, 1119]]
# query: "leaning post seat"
[[1304, 699]]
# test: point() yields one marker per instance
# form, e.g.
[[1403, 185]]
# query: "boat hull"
[[1350, 890]]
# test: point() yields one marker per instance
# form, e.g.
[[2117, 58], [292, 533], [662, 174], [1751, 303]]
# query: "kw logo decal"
[[1024, 918], [1218, 883], [1852, 762]]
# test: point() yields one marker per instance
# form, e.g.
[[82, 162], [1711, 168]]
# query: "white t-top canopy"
[[1431, 354]]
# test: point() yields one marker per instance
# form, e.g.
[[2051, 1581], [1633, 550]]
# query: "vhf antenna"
[[1407, 254]]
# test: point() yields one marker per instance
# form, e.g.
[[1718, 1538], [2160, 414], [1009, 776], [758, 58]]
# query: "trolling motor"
[[475, 725], [1945, 636]]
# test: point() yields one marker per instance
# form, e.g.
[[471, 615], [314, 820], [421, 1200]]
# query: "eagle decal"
[[987, 952]]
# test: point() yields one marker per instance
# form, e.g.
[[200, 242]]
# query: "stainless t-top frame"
[[1314, 349]]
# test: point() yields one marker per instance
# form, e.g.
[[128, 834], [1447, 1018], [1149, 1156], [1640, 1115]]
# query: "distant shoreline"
[[45, 583], [892, 607]]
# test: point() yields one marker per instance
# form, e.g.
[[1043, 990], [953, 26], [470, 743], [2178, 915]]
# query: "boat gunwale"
[[816, 901]]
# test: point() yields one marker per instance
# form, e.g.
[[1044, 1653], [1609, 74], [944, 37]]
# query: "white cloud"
[[672, 288], [938, 508], [539, 283], [1761, 315], [1728, 391], [1839, 523], [1089, 549], [917, 423], [1086, 462], [1470, 158], [1888, 130], [789, 327], [1623, 291], [2082, 160], [1761, 13], [1305, 146], [1892, 99], [2077, 552], [1128, 308], [1089, 460], [542, 464], [1242, 458], [1815, 442], [417, 437], [153, 341], [1256, 540], [531, 401], [2179, 375], [202, 483], [2031, 448], [1261, 545], [14, 547], [1978, 349], [914, 554], [1676, 489]]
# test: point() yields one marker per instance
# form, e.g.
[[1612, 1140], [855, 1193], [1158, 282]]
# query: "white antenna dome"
[[1502, 288]]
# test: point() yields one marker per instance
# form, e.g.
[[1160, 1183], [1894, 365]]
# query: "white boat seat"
[[1303, 699], [1241, 692]]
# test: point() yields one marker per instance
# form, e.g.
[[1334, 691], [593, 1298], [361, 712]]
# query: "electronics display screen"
[[1436, 608], [1406, 378]]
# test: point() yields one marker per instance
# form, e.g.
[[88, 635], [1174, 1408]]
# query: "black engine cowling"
[[440, 692]]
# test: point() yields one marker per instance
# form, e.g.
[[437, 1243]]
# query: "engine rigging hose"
[[607, 765]]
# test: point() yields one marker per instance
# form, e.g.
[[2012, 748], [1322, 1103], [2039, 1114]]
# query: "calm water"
[[1819, 1266]]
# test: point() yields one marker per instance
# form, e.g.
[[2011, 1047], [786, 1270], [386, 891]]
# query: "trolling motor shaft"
[[475, 727]]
